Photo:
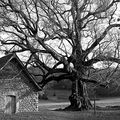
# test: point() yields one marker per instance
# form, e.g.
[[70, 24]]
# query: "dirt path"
[[102, 103], [52, 106], [108, 102]]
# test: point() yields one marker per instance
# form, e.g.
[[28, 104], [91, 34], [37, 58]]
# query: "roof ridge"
[[6, 59]]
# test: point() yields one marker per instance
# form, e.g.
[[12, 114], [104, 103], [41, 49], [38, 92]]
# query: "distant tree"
[[62, 85], [63, 38]]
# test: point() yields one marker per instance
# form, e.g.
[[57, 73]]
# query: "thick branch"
[[94, 82], [40, 63], [98, 40], [100, 11], [101, 58], [56, 78], [69, 77]]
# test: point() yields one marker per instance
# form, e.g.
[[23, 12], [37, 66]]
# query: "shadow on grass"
[[97, 108]]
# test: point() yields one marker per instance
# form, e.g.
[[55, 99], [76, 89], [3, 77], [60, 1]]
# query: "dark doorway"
[[10, 104]]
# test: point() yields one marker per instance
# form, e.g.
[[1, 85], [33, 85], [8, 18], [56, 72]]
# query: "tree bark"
[[79, 99]]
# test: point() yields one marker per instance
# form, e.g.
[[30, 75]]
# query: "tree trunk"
[[79, 99]]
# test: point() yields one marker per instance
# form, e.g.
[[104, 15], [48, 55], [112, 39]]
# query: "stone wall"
[[28, 103], [2, 102]]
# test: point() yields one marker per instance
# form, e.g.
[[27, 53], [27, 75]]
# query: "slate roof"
[[6, 59]]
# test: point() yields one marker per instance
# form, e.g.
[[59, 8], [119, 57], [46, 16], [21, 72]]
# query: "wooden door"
[[10, 104]]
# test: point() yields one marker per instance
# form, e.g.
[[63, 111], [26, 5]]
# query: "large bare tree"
[[63, 38]]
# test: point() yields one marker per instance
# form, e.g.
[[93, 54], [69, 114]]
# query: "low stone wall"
[[2, 104], [28, 104]]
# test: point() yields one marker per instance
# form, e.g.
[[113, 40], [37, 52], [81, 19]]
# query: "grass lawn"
[[63, 115]]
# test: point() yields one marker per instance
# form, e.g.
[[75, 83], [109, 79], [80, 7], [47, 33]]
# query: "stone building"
[[18, 88]]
